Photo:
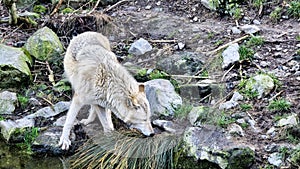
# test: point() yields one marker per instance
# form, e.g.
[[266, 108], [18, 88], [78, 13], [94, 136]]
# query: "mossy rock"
[[44, 44], [14, 69], [295, 157], [241, 158]]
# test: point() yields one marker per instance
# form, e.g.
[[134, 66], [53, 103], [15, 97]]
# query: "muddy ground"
[[166, 23]]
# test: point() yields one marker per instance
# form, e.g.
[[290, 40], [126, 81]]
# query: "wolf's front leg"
[[104, 116], [71, 116]]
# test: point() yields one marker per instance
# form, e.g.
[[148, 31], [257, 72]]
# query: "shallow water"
[[12, 158]]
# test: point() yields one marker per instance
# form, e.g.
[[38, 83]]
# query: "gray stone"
[[162, 97], [208, 143], [261, 83], [181, 63], [230, 55], [51, 111], [232, 102], [140, 47], [235, 30], [236, 129], [256, 22], [275, 159], [290, 121], [208, 4], [15, 69], [7, 102], [250, 29], [194, 114], [44, 44], [9, 126], [166, 125]]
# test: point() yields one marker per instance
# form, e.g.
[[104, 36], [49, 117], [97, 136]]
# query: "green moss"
[[279, 105], [39, 9], [28, 135], [23, 100], [245, 107], [246, 53], [255, 41], [183, 111], [223, 120], [294, 9], [241, 158], [276, 14], [67, 10], [295, 157]]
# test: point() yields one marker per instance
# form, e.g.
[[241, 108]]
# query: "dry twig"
[[56, 7]]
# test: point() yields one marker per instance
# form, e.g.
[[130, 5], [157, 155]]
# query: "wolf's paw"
[[85, 121], [64, 143]]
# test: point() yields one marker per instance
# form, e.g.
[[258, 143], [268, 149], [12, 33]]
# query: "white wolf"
[[100, 81]]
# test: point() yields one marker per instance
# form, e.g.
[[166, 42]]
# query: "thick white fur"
[[100, 81]]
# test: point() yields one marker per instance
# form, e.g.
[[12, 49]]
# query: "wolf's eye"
[[137, 107]]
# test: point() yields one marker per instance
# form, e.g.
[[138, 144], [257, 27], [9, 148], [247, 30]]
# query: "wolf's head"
[[138, 116]]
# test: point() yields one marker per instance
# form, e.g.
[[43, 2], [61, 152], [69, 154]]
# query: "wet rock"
[[210, 144], [232, 102], [140, 47], [250, 29], [195, 115], [275, 159], [14, 70], [230, 55], [162, 97], [235, 30], [208, 4], [181, 63], [44, 44], [290, 121], [262, 84], [236, 129], [51, 111], [8, 127], [166, 125], [8, 101]]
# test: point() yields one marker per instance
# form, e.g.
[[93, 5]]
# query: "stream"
[[12, 158]]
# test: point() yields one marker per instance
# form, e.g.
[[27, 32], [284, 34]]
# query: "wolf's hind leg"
[[104, 116], [92, 115]]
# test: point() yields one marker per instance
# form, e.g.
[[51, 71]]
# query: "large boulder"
[[44, 44], [162, 97], [14, 70], [208, 144], [8, 101]]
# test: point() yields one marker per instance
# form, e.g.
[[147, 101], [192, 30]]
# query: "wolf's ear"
[[141, 87]]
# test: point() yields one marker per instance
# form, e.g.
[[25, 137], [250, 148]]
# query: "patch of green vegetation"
[[183, 111], [298, 52], [157, 74], [275, 79], [63, 86], [292, 138], [67, 10], [258, 3], [255, 41], [279, 105], [23, 100], [219, 42], [237, 13], [298, 37], [244, 125], [39, 9], [247, 91], [246, 53], [295, 157], [276, 14], [278, 117], [204, 73], [284, 151], [294, 9], [210, 35], [246, 107], [29, 135], [223, 120], [2, 118]]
